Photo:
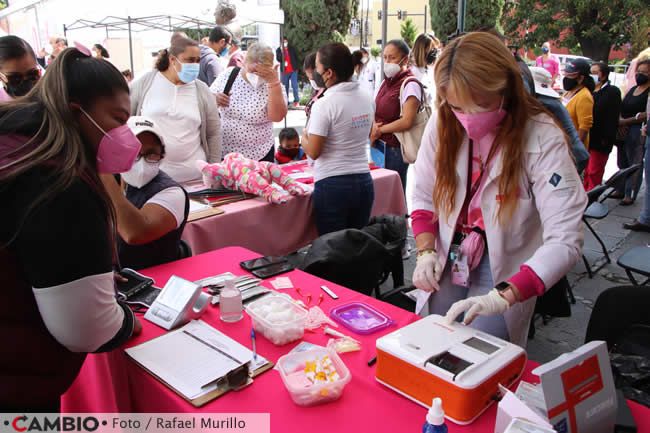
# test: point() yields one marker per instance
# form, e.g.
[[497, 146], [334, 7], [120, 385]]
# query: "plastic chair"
[[636, 261]]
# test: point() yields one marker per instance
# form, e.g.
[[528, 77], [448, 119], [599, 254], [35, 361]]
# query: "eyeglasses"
[[15, 78], [153, 158]]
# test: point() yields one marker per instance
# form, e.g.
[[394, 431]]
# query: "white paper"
[[420, 297], [195, 206], [281, 283], [510, 407], [191, 357]]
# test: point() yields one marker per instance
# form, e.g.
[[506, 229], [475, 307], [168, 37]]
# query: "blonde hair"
[[643, 55], [480, 62], [421, 48]]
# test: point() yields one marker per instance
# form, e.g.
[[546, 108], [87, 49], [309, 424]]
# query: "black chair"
[[184, 250], [595, 210], [636, 261], [618, 179]]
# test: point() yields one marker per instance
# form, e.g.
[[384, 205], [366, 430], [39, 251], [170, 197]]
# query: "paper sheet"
[[195, 206], [420, 297], [191, 357]]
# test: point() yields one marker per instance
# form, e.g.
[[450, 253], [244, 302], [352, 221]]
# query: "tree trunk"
[[596, 49]]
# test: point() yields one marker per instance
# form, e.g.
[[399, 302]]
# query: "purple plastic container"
[[360, 318]]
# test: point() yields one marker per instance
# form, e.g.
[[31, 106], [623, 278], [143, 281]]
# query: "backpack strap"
[[231, 79], [422, 96]]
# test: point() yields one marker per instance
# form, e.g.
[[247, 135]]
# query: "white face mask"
[[595, 77], [314, 85], [255, 80], [391, 69], [141, 173], [364, 60]]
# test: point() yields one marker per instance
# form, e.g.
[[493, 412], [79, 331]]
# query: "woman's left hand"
[[268, 73], [486, 305], [375, 132]]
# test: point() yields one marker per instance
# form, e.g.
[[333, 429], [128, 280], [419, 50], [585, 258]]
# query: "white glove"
[[486, 305], [427, 273]]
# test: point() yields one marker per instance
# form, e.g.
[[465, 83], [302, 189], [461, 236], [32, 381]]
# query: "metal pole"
[[462, 4], [65, 31], [384, 31], [367, 21], [361, 29], [128, 20], [425, 18]]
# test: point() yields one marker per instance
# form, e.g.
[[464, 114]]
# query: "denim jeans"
[[644, 218], [343, 202], [395, 162], [293, 78], [630, 153]]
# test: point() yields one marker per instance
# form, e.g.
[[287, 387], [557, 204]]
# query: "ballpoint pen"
[[253, 342]]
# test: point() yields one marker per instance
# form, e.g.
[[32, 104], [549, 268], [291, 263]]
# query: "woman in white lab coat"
[[488, 256]]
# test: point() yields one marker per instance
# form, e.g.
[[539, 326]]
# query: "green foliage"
[[594, 26], [312, 23], [479, 14], [639, 35], [375, 51], [409, 32]]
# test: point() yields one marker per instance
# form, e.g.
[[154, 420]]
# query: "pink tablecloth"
[[113, 383], [280, 229]]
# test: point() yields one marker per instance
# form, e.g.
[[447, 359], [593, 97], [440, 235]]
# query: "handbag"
[[410, 140]]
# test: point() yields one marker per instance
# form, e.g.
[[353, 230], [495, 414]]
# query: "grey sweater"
[[210, 122]]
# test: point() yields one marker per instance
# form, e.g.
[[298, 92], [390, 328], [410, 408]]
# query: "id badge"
[[459, 269]]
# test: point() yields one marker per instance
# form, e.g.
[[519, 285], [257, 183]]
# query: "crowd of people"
[[93, 166]]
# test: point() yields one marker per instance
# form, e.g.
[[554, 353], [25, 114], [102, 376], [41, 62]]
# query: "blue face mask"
[[545, 50], [189, 72], [224, 52]]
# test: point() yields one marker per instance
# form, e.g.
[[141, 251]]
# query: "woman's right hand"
[[223, 100], [428, 271]]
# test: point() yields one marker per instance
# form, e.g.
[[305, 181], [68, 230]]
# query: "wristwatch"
[[503, 288]]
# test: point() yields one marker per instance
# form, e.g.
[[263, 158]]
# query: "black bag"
[[555, 302], [360, 260], [630, 359]]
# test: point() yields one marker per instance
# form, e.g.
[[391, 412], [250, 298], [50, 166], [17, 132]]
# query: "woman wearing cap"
[[256, 100], [578, 100], [496, 194], [153, 212], [56, 229], [182, 107], [19, 70], [633, 114]]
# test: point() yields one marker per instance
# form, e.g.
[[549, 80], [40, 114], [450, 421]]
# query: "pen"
[[254, 346], [372, 362]]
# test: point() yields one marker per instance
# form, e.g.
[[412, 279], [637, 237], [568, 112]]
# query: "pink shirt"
[[551, 65]]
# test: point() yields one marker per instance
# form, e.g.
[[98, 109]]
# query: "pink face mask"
[[117, 150], [478, 125]]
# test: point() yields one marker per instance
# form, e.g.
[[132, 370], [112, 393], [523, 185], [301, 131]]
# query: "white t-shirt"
[[172, 199], [245, 123], [425, 76], [367, 77], [344, 115], [176, 111]]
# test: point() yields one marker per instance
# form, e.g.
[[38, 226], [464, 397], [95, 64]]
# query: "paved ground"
[[563, 334]]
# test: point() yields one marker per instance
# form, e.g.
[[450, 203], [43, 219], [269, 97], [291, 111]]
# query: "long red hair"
[[480, 62]]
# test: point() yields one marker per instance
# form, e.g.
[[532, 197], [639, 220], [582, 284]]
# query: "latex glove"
[[428, 271], [486, 305]]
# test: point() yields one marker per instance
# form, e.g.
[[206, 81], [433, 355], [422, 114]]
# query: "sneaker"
[[296, 104]]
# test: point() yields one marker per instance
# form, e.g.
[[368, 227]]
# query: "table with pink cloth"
[[278, 229], [114, 383]]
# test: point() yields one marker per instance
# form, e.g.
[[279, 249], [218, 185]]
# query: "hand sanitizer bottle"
[[435, 422], [230, 303]]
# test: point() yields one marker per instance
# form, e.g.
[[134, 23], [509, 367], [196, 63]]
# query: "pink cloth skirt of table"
[[278, 229], [113, 383]]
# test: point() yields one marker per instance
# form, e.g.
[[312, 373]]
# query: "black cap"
[[578, 65]]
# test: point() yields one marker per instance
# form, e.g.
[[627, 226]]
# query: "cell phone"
[[272, 270], [261, 262]]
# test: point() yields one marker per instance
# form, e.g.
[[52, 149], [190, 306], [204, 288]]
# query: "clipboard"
[[259, 365]]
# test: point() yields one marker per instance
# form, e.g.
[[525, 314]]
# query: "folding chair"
[[595, 210], [636, 261], [617, 181]]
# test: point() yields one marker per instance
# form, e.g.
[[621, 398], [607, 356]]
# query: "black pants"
[[617, 309]]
